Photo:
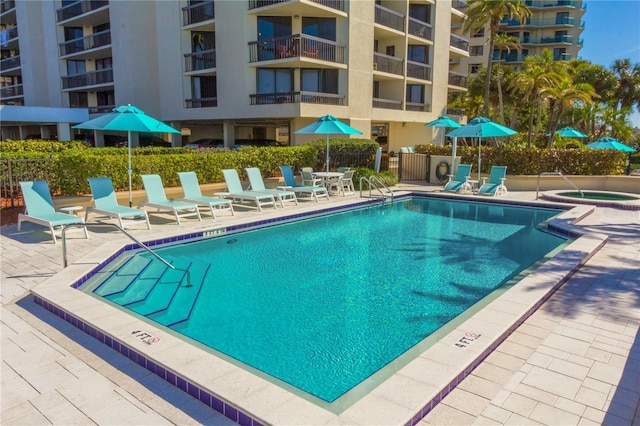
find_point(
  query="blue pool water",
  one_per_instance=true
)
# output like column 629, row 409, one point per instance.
column 324, row 303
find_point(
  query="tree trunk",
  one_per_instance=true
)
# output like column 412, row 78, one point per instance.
column 500, row 103
column 487, row 82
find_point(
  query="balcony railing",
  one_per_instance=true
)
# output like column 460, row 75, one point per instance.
column 386, row 103
column 389, row 18
column 418, row 70
column 549, row 3
column 418, row 106
column 386, row 63
column 511, row 57
column 540, row 22
column 11, row 91
column 92, row 41
column 295, row 46
column 565, row 39
column 420, row 29
column 12, row 32
column 460, row 5
column 7, row 5
column 457, row 80
column 92, row 78
column 203, row 60
column 297, row 97
column 198, row 12
column 334, row 4
column 101, row 109
column 79, row 8
column 201, row 102
column 456, row 111
column 10, row 63
column 459, row 42
column 562, row 56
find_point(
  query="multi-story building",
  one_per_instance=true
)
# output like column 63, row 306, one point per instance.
column 237, row 69
column 554, row 25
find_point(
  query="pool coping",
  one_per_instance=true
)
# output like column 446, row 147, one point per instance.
column 633, row 205
column 404, row 398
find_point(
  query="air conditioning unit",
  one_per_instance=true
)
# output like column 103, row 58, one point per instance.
column 375, row 66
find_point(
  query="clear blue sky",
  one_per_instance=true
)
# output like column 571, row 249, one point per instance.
column 612, row 31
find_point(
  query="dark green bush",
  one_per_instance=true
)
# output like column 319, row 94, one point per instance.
column 389, row 178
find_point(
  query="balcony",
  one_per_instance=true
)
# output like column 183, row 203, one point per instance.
column 418, row 70
column 389, row 18
column 7, row 5
column 101, row 109
column 198, row 12
column 201, row 102
column 418, row 106
column 199, row 61
column 7, row 92
column 540, row 4
column 92, row 41
column 540, row 22
column 93, row 78
column 459, row 42
column 297, row 97
column 564, row 39
column 420, row 29
column 296, row 46
column 457, row 80
column 10, row 63
column 511, row 57
column 340, row 5
column 460, row 6
column 388, row 64
column 79, row 8
column 386, row 103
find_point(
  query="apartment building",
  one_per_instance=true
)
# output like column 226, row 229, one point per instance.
column 555, row 25
column 247, row 69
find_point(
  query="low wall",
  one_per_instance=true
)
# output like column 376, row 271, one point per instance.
column 629, row 184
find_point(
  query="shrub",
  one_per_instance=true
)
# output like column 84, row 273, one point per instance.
column 389, row 178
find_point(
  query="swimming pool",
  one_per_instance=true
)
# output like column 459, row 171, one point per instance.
column 618, row 200
column 324, row 303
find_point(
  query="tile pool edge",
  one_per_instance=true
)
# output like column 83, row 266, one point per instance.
column 225, row 389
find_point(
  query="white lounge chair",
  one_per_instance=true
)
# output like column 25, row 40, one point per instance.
column 236, row 193
column 257, row 184
column 193, row 194
column 106, row 203
column 314, row 192
column 157, row 198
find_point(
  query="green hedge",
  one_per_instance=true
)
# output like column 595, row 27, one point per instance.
column 532, row 161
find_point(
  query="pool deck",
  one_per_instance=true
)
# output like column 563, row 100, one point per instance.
column 575, row 360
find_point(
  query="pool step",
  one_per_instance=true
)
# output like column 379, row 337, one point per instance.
column 141, row 286
column 122, row 278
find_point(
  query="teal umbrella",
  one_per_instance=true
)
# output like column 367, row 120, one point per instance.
column 570, row 132
column 328, row 125
column 610, row 143
column 444, row 121
column 127, row 118
column 481, row 127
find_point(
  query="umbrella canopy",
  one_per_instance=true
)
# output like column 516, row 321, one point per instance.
column 610, row 143
column 481, row 127
column 444, row 121
column 127, row 118
column 328, row 125
column 570, row 132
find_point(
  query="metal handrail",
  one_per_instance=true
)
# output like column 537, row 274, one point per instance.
column 113, row 225
column 373, row 182
column 557, row 174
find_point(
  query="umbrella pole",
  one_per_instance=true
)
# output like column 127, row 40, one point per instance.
column 129, row 171
column 479, row 157
column 327, row 153
column 454, row 146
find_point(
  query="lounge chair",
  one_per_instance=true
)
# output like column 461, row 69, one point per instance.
column 237, row 194
column 40, row 210
column 106, row 203
column 157, row 199
column 302, row 190
column 257, row 184
column 459, row 182
column 193, row 194
column 495, row 185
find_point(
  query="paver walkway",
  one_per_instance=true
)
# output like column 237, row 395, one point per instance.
column 575, row 361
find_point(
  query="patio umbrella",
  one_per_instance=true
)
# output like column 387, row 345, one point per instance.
column 127, row 118
column 610, row 143
column 570, row 132
column 444, row 121
column 481, row 127
column 328, row 125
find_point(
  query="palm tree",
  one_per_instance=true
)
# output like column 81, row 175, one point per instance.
column 483, row 13
column 503, row 42
column 564, row 96
column 628, row 92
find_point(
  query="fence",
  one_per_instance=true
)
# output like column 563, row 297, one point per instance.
column 13, row 171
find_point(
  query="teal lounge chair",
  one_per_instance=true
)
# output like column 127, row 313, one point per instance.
column 106, row 203
column 193, row 194
column 459, row 182
column 302, row 190
column 495, row 185
column 157, row 198
column 257, row 184
column 40, row 210
column 236, row 193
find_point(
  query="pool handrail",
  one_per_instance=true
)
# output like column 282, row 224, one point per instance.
column 375, row 182
column 113, row 225
column 557, row 174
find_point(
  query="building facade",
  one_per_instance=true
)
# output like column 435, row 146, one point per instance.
column 246, row 69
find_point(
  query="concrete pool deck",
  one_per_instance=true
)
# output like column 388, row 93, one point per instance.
column 576, row 360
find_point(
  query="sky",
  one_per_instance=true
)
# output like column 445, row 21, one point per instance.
column 612, row 31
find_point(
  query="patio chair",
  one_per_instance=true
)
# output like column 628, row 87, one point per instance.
column 302, row 190
column 459, row 182
column 193, row 194
column 344, row 184
column 39, row 208
column 257, row 184
column 236, row 193
column 106, row 203
column 308, row 179
column 495, row 185
column 157, row 198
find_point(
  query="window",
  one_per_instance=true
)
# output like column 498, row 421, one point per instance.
column 78, row 100
column 104, row 64
column 479, row 33
column 204, row 87
column 72, row 33
column 76, row 67
column 106, row 98
column 391, row 50
column 559, row 53
column 376, row 89
column 421, row 12
column 319, row 27
column 418, row 53
column 202, row 40
column 273, row 26
column 319, row 80
column 415, row 93
column 275, row 80
column 562, row 18
column 474, row 68
column 101, row 27
column 476, row 50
